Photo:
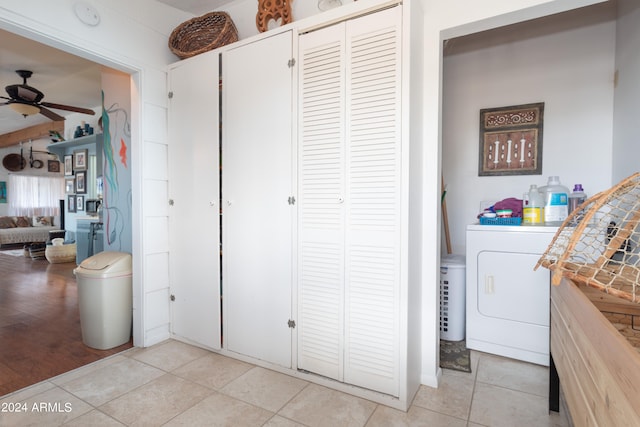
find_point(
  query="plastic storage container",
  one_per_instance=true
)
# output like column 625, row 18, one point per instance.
column 452, row 297
column 105, row 299
column 533, row 209
column 556, row 201
column 577, row 197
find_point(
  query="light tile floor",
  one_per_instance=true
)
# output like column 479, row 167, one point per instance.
column 175, row 384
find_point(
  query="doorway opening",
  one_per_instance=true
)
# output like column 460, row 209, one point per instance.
column 38, row 304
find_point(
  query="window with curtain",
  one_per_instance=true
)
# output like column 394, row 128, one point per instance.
column 35, row 195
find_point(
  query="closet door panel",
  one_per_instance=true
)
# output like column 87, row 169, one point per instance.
column 257, row 181
column 321, row 195
column 373, row 187
column 350, row 195
column 194, row 230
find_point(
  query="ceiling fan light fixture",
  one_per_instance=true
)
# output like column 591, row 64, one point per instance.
column 24, row 109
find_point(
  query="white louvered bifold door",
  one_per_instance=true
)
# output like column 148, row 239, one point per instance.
column 349, row 193
column 321, row 189
column 372, row 238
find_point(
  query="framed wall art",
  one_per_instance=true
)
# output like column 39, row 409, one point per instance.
column 70, row 185
column 81, row 182
column 71, row 203
column 511, row 140
column 79, row 203
column 99, row 187
column 80, row 159
column 53, row 166
column 68, row 164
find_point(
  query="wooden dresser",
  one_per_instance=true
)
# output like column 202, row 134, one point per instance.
column 598, row 367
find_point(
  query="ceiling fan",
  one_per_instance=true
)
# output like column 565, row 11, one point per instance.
column 25, row 99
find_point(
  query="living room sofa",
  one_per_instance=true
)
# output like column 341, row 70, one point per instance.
column 25, row 229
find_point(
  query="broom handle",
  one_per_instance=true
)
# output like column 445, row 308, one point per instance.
column 445, row 219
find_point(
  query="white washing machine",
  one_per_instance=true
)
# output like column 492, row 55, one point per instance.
column 507, row 301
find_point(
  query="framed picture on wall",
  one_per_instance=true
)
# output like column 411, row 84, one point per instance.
column 80, row 159
column 68, row 164
column 99, row 187
column 79, row 203
column 53, row 166
column 511, row 140
column 81, row 182
column 71, row 203
column 69, row 185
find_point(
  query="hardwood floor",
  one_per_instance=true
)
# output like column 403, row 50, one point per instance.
column 40, row 334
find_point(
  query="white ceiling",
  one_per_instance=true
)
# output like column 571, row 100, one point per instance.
column 197, row 7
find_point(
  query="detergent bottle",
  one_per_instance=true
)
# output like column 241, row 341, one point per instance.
column 577, row 197
column 556, row 202
column 533, row 209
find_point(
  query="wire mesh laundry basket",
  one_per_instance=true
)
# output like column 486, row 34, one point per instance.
column 203, row 33
column 598, row 244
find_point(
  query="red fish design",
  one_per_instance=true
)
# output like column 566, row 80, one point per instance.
column 123, row 152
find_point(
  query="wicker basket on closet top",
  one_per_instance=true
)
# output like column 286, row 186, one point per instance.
column 203, row 33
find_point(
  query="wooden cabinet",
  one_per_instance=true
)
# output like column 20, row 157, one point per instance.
column 194, row 208
column 598, row 366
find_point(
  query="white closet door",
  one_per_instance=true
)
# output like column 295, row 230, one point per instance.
column 257, row 182
column 321, row 195
column 194, row 218
column 350, row 194
column 373, row 189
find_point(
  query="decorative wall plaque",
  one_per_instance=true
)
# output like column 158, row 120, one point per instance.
column 278, row 11
column 511, row 140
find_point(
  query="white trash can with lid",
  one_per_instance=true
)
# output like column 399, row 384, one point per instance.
column 105, row 299
column 452, row 297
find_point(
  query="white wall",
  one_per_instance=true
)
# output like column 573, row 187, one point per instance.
column 243, row 14
column 626, row 133
column 75, row 119
column 565, row 61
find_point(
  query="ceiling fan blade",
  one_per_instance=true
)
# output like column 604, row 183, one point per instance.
column 68, row 108
column 51, row 115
